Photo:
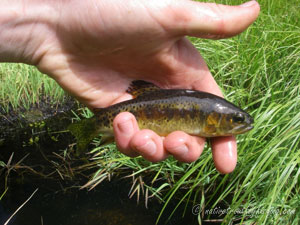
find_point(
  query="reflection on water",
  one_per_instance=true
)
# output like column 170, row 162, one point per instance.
column 103, row 206
column 55, row 203
column 108, row 204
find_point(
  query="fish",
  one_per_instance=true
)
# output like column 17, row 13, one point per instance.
column 164, row 111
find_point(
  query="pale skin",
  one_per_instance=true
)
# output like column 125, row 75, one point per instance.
column 95, row 48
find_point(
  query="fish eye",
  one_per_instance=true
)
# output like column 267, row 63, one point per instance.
column 238, row 118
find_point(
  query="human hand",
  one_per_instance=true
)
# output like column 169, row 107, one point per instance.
column 94, row 49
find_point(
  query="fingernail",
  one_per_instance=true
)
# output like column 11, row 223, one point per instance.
column 149, row 148
column 126, row 127
column 180, row 150
column 248, row 4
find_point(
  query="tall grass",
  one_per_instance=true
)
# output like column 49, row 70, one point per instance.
column 260, row 71
column 23, row 85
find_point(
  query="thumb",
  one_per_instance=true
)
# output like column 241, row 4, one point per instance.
column 209, row 20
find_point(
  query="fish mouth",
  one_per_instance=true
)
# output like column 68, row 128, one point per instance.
column 242, row 129
column 249, row 127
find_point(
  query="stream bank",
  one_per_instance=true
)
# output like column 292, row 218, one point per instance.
column 35, row 151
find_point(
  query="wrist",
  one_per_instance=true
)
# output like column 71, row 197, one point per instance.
column 24, row 27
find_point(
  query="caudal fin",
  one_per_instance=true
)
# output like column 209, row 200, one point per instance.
column 84, row 131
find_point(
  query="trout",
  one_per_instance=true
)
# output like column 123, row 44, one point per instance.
column 167, row 110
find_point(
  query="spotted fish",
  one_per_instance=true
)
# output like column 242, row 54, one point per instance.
column 167, row 110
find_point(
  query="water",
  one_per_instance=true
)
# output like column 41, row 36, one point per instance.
column 60, row 201
column 107, row 204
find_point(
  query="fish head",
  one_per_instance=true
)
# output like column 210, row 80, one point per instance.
column 228, row 120
column 238, row 122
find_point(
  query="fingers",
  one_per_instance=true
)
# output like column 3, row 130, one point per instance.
column 133, row 142
column 224, row 150
column 125, row 126
column 208, row 20
column 149, row 145
column 184, row 147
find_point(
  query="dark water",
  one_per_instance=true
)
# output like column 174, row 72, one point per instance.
column 108, row 204
column 60, row 201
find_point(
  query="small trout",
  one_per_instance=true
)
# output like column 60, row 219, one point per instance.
column 167, row 110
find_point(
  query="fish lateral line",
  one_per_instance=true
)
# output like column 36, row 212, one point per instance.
column 164, row 111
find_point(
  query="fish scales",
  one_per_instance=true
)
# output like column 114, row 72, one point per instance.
column 164, row 111
column 167, row 110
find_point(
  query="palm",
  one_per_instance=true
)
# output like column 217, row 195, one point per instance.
column 98, row 47
column 101, row 58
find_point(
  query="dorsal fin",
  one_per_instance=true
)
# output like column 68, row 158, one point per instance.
column 140, row 87
column 97, row 110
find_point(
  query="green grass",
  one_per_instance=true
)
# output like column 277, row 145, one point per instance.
column 23, row 85
column 260, row 71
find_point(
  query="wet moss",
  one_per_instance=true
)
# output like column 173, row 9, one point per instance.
column 23, row 127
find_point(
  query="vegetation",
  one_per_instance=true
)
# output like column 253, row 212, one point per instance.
column 24, row 86
column 258, row 70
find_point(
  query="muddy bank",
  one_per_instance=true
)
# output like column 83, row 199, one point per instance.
column 31, row 141
column 21, row 127
column 36, row 150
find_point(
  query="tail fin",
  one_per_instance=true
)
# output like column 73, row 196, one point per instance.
column 84, row 131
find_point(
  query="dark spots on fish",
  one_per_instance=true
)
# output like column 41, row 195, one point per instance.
column 170, row 113
column 148, row 111
column 106, row 123
column 193, row 113
column 115, row 113
column 104, row 120
column 163, row 107
column 148, row 114
column 182, row 113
